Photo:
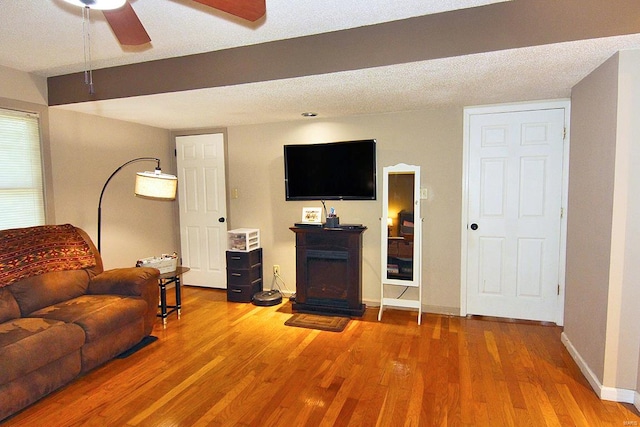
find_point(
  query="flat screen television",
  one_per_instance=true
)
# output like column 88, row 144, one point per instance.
column 331, row 171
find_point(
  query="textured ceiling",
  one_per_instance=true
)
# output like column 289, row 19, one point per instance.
column 45, row 36
column 182, row 27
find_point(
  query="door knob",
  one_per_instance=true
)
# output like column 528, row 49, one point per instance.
column 221, row 219
column 474, row 226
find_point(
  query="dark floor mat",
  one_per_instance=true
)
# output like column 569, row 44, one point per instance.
column 315, row 321
column 142, row 344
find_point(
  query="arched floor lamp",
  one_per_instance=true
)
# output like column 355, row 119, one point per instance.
column 153, row 185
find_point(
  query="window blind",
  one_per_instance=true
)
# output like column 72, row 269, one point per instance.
column 21, row 187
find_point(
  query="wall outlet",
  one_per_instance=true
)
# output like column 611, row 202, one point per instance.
column 276, row 269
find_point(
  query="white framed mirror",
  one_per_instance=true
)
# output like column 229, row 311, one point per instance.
column 401, row 238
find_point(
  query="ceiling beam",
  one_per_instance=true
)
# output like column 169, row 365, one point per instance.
column 498, row 26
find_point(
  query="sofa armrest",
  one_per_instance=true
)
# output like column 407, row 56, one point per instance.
column 132, row 281
column 129, row 281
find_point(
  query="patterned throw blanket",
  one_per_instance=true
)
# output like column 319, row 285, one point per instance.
column 27, row 252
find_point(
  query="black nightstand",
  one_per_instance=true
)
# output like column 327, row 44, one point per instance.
column 244, row 275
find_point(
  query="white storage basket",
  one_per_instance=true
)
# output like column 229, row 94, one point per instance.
column 243, row 239
column 165, row 264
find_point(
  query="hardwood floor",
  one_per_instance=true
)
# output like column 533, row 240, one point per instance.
column 238, row 365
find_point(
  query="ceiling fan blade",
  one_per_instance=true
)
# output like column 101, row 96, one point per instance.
column 126, row 26
column 251, row 10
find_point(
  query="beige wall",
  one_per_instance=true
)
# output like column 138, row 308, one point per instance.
column 431, row 139
column 24, row 92
column 21, row 86
column 623, row 331
column 85, row 150
column 603, row 243
column 591, row 176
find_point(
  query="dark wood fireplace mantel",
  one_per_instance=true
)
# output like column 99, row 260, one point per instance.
column 329, row 270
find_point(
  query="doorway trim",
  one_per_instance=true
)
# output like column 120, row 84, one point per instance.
column 509, row 108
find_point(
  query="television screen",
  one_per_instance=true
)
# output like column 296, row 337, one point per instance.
column 332, row 171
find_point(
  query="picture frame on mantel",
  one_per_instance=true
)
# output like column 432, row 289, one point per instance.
column 312, row 215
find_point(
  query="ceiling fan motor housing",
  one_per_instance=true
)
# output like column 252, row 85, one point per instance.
column 98, row 4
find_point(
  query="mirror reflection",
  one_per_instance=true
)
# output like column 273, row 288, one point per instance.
column 400, row 224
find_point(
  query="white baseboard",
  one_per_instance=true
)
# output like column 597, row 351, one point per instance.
column 437, row 309
column 636, row 401
column 617, row 394
column 605, row 393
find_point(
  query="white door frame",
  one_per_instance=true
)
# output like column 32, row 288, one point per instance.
column 507, row 108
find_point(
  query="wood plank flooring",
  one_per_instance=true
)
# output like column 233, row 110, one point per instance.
column 234, row 364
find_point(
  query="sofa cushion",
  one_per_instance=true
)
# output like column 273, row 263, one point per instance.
column 27, row 344
column 42, row 291
column 97, row 352
column 98, row 315
column 23, row 391
column 8, row 306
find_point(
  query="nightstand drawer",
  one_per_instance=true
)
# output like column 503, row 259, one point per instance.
column 243, row 260
column 237, row 293
column 244, row 277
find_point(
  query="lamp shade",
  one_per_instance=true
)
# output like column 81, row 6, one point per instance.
column 98, row 4
column 156, row 185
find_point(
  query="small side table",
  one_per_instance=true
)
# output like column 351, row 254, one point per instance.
column 167, row 279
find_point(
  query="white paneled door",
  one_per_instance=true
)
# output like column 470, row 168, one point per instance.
column 203, row 211
column 514, row 211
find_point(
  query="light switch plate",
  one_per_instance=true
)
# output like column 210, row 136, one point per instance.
column 424, row 193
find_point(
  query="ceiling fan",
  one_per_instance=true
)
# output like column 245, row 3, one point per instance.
column 130, row 32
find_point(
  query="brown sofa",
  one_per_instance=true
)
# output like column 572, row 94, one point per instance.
column 61, row 315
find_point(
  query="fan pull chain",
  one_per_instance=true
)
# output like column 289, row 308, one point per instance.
column 86, row 38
